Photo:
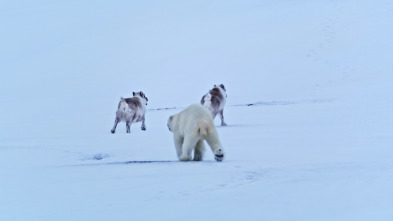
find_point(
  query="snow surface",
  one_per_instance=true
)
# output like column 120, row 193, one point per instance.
column 309, row 109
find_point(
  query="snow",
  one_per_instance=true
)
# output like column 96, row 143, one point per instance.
column 314, row 145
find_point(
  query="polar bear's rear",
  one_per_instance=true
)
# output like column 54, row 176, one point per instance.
column 190, row 128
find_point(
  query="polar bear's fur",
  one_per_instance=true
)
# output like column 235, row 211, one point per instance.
column 190, row 128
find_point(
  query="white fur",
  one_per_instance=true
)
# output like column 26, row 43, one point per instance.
column 190, row 128
column 124, row 111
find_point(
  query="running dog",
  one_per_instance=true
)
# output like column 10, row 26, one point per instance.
column 215, row 101
column 131, row 110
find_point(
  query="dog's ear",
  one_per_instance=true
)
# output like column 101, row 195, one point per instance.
column 144, row 95
column 133, row 93
column 223, row 87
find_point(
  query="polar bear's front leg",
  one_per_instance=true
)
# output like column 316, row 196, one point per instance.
column 187, row 148
column 178, row 144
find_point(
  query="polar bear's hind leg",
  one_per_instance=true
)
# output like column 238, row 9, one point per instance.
column 199, row 149
column 187, row 148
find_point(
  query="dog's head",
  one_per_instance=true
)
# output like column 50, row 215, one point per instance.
column 141, row 95
column 221, row 86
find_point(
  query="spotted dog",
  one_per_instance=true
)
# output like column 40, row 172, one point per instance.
column 131, row 110
column 215, row 101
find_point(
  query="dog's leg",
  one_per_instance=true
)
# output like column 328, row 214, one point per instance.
column 222, row 118
column 143, row 127
column 114, row 126
column 128, row 126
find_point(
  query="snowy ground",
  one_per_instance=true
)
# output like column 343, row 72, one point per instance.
column 314, row 145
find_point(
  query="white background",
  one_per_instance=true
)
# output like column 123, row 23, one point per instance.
column 316, row 144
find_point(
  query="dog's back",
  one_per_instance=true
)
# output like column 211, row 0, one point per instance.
column 124, row 111
column 131, row 110
column 134, row 103
column 138, row 108
column 215, row 101
column 217, row 98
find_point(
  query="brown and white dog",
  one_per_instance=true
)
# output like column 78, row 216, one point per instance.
column 131, row 110
column 215, row 101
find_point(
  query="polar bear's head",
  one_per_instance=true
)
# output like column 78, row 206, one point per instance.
column 170, row 123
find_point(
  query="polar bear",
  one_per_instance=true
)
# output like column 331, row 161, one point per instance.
column 190, row 128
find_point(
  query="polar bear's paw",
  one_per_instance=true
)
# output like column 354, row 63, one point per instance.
column 184, row 157
column 197, row 156
column 219, row 155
